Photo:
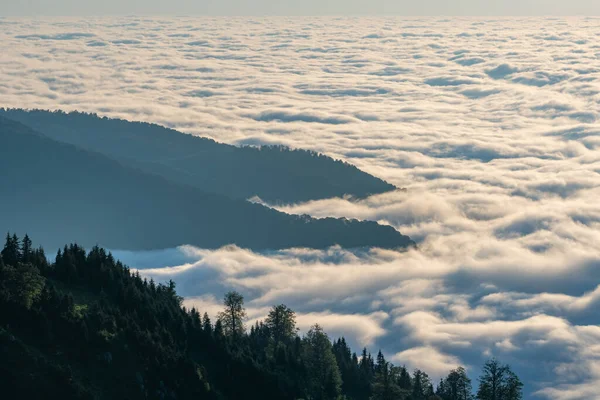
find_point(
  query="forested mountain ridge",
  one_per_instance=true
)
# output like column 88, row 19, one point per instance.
column 87, row 327
column 276, row 174
column 61, row 193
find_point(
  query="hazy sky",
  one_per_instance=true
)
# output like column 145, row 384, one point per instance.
column 303, row 7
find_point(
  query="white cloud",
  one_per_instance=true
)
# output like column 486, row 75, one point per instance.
column 491, row 124
column 427, row 359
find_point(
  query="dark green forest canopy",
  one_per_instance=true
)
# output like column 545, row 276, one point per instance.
column 276, row 174
column 87, row 327
column 60, row 193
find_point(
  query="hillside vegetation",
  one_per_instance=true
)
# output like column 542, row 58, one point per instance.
column 87, row 327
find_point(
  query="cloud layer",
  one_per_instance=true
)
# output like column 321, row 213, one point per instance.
column 493, row 126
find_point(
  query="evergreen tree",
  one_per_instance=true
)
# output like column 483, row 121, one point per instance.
column 101, row 314
column 381, row 363
column 26, row 249
column 422, row 388
column 498, row 382
column 513, row 388
column 324, row 380
column 206, row 326
column 281, row 322
column 404, row 379
column 354, row 386
column 385, row 385
column 11, row 254
column 232, row 318
column 456, row 386
column 219, row 331
column 366, row 364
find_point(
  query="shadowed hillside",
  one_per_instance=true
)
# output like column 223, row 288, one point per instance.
column 275, row 174
column 87, row 327
column 61, row 193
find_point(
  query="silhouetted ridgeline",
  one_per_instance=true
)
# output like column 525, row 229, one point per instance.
column 275, row 174
column 87, row 327
column 61, row 193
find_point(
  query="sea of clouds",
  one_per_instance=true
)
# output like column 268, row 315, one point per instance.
column 492, row 126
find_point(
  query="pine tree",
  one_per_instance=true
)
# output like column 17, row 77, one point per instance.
column 366, row 364
column 324, row 380
column 219, row 331
column 26, row 249
column 421, row 385
column 281, row 322
column 11, row 254
column 456, row 386
column 381, row 363
column 206, row 326
column 195, row 319
column 385, row 385
column 513, row 388
column 144, row 324
column 404, row 379
column 498, row 382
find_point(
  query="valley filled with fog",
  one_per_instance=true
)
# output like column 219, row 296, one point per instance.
column 491, row 125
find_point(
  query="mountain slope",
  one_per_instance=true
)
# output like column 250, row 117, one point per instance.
column 90, row 198
column 87, row 327
column 275, row 174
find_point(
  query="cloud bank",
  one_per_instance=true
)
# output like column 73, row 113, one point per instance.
column 492, row 125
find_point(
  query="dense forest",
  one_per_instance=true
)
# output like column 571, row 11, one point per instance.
column 274, row 173
column 87, row 327
column 60, row 193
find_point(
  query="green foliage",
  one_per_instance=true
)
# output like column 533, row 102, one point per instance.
column 456, row 386
column 21, row 284
column 324, row 380
column 11, row 252
column 422, row 388
column 281, row 322
column 386, row 384
column 499, row 382
column 87, row 327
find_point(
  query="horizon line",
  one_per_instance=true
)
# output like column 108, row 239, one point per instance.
column 379, row 15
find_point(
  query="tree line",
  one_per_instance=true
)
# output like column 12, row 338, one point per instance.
column 85, row 326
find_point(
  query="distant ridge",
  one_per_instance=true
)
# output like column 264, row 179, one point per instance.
column 276, row 174
column 89, row 198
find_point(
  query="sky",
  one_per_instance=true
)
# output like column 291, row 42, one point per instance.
column 294, row 7
column 492, row 125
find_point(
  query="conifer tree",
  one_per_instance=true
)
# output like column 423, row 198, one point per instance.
column 324, row 380
column 404, row 379
column 385, row 386
column 218, row 332
column 498, row 382
column 421, row 385
column 206, row 326
column 10, row 253
column 281, row 322
column 26, row 249
column 456, row 386
column 513, row 389
column 381, row 363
